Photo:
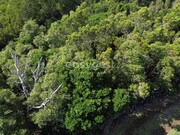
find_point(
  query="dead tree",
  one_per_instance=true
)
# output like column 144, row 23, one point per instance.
column 36, row 74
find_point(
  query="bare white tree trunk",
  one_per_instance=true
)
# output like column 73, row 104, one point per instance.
column 20, row 74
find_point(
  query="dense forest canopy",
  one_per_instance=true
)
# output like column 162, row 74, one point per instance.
column 67, row 66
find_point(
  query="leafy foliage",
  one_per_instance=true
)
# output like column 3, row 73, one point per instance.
column 107, row 55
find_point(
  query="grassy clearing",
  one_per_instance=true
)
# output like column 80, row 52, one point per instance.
column 158, row 118
column 175, row 131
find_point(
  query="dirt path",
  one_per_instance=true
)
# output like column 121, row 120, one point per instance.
column 174, row 113
column 155, row 118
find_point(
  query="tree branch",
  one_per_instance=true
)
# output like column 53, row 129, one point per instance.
column 38, row 71
column 43, row 104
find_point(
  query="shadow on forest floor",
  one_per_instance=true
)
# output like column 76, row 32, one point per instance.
column 156, row 118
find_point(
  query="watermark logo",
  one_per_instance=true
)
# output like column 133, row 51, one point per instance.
column 90, row 65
